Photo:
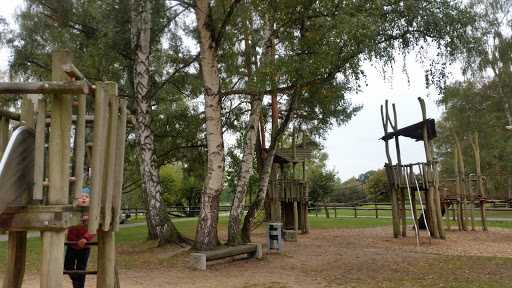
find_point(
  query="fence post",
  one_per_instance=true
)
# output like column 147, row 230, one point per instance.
column 355, row 211
column 376, row 211
column 335, row 215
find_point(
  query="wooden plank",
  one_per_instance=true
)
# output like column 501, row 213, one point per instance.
column 119, row 167
column 23, row 218
column 37, row 193
column 110, row 156
column 45, row 87
column 59, row 148
column 98, row 149
column 16, row 257
column 80, row 147
column 106, row 259
column 52, row 259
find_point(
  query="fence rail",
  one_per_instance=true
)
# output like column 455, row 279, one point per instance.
column 191, row 211
column 386, row 206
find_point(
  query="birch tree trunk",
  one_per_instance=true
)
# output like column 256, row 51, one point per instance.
column 262, row 190
column 206, row 233
column 237, row 209
column 159, row 224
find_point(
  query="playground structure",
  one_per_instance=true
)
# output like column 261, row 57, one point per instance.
column 402, row 177
column 423, row 177
column 26, row 206
column 290, row 196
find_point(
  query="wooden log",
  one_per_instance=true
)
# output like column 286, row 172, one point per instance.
column 119, row 170
column 72, row 71
column 80, row 146
column 4, row 138
column 295, row 216
column 37, row 193
column 403, row 211
column 483, row 215
column 439, row 213
column 106, row 259
column 198, row 260
column 52, row 258
column 110, row 156
column 9, row 115
column 59, row 148
column 98, row 154
column 46, row 87
column 16, row 258
column 447, row 216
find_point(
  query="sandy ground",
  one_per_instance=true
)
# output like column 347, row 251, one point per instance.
column 324, row 258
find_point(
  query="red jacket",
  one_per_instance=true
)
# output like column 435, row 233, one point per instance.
column 76, row 234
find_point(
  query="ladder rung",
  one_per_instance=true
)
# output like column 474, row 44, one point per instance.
column 80, row 272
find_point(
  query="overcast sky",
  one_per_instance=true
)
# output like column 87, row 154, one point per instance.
column 355, row 148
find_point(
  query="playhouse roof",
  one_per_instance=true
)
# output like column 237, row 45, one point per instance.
column 415, row 131
column 285, row 155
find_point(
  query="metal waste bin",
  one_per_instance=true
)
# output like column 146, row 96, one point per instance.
column 274, row 237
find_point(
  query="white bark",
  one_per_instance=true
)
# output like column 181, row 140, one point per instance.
column 157, row 219
column 237, row 209
column 206, row 234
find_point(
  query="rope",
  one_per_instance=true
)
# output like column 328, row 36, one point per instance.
column 423, row 210
column 412, row 213
column 371, row 197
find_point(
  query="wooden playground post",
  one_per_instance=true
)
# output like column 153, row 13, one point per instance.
column 79, row 146
column 37, row 192
column 457, row 188
column 59, row 153
column 118, row 177
column 294, row 179
column 99, row 142
column 305, row 222
column 392, row 190
column 434, row 210
column 4, row 136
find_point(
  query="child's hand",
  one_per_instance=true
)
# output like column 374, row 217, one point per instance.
column 81, row 242
column 85, row 218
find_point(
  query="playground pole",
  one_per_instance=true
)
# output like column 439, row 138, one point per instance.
column 52, row 258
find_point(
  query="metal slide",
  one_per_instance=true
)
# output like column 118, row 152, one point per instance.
column 17, row 167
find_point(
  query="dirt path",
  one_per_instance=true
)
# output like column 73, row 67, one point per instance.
column 368, row 257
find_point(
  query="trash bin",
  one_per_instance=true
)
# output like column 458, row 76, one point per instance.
column 274, row 237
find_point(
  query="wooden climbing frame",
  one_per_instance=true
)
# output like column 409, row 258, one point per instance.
column 54, row 212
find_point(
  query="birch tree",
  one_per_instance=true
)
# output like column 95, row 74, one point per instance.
column 160, row 225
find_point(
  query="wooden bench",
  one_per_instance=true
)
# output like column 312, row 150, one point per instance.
column 198, row 260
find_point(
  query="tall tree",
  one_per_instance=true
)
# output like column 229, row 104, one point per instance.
column 160, row 225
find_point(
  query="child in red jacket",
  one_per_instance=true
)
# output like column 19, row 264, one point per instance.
column 77, row 256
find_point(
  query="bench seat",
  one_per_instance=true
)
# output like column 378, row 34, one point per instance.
column 198, row 260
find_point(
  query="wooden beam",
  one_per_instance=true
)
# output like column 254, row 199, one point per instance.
column 16, row 260
column 4, row 113
column 53, row 217
column 45, row 87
